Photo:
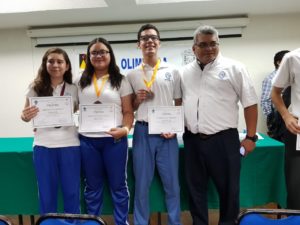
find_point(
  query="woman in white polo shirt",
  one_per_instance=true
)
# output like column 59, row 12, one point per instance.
column 104, row 154
column 56, row 152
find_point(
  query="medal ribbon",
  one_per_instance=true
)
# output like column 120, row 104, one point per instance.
column 149, row 83
column 97, row 89
column 62, row 92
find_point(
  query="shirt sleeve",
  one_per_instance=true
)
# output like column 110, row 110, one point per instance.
column 125, row 88
column 243, row 86
column 177, row 84
column 283, row 77
column 30, row 92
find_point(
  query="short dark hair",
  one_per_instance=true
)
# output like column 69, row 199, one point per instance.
column 147, row 26
column 278, row 57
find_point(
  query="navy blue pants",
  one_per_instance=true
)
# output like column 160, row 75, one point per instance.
column 105, row 158
column 218, row 158
column 54, row 166
column 292, row 168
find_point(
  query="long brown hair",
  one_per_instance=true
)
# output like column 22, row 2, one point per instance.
column 42, row 83
column 115, row 77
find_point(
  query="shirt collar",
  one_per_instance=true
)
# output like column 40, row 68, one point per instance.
column 162, row 64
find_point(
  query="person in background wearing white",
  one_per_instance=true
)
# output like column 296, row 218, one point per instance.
column 288, row 74
column 56, row 152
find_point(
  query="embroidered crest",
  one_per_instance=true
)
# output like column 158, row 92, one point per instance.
column 222, row 75
column 168, row 76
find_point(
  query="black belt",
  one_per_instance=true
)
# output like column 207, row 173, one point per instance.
column 205, row 136
column 142, row 123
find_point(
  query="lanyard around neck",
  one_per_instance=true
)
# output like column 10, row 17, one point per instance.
column 150, row 83
column 103, row 79
column 62, row 92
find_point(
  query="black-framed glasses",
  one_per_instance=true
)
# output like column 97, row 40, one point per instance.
column 100, row 53
column 148, row 37
column 204, row 45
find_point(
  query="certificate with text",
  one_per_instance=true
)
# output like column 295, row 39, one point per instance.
column 97, row 117
column 56, row 111
column 165, row 119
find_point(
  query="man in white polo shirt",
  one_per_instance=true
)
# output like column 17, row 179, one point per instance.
column 155, row 83
column 212, row 86
column 288, row 74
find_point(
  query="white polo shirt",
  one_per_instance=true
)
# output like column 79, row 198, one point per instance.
column 166, row 87
column 57, row 137
column 210, row 97
column 289, row 74
column 109, row 95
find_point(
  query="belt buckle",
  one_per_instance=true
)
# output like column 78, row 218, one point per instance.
column 204, row 136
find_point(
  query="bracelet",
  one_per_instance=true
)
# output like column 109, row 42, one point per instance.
column 127, row 130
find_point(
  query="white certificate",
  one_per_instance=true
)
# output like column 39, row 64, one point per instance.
column 164, row 119
column 97, row 117
column 54, row 111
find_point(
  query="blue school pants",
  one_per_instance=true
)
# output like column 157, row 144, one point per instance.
column 105, row 158
column 54, row 167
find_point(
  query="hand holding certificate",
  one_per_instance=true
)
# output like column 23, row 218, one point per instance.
column 54, row 111
column 96, row 117
column 165, row 119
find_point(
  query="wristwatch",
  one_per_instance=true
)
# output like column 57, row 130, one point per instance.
column 253, row 138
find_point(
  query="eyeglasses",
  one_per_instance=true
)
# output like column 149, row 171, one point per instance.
column 148, row 37
column 204, row 45
column 100, row 53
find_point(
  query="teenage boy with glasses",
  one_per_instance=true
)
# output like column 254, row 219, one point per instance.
column 155, row 83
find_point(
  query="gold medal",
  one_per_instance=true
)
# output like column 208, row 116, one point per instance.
column 150, row 94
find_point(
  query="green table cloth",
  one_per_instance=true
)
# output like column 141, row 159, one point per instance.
column 262, row 179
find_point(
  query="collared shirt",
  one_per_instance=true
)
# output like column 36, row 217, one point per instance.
column 166, row 87
column 266, row 101
column 52, row 137
column 289, row 74
column 210, row 97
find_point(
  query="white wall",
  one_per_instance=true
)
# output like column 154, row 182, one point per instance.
column 262, row 38
column 15, row 74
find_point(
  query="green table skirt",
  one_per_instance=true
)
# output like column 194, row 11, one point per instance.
column 262, row 179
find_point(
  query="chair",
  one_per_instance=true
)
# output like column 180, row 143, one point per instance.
column 5, row 221
column 255, row 217
column 69, row 219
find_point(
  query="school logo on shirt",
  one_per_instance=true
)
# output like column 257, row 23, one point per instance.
column 168, row 76
column 222, row 75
